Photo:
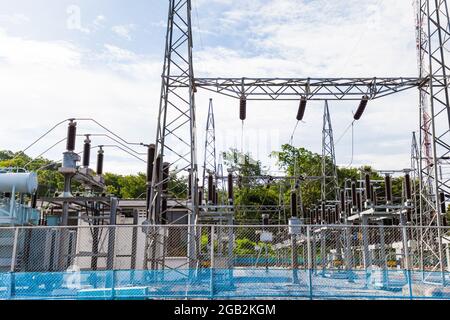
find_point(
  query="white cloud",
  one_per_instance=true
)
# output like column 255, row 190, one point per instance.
column 17, row 18
column 99, row 20
column 124, row 31
column 42, row 83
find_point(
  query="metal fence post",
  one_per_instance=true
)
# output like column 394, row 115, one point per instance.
column 212, row 262
column 113, row 284
column 12, row 287
column 407, row 262
column 14, row 250
column 310, row 262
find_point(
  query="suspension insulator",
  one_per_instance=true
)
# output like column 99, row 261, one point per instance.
column 158, row 168
column 388, row 188
column 230, row 187
column 214, row 194
column 322, row 218
column 293, row 204
column 301, row 109
column 200, row 196
column 358, row 199
column 354, row 199
column 243, row 108
column 150, row 162
column 374, row 195
column 330, row 215
column 408, row 187
column 71, row 136
column 100, row 158
column 210, row 189
column 34, row 200
column 361, row 108
column 367, row 187
column 442, row 201
column 189, row 185
column 87, row 152
column 165, row 177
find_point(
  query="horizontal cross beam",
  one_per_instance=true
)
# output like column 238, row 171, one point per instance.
column 311, row 88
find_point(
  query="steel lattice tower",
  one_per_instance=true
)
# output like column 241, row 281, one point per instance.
column 433, row 29
column 329, row 187
column 176, row 130
column 209, row 160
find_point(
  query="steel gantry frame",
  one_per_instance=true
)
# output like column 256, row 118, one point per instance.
column 311, row 88
column 176, row 133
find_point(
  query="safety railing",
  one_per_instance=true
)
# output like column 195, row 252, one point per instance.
column 215, row 261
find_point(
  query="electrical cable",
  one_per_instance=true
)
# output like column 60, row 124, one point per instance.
column 47, row 150
column 353, row 145
column 242, row 138
column 292, row 145
column 115, row 140
column 40, row 138
column 119, row 147
column 345, row 132
column 111, row 132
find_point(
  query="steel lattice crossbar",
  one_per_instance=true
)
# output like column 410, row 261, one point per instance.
column 312, row 88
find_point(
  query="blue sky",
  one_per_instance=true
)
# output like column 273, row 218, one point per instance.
column 108, row 67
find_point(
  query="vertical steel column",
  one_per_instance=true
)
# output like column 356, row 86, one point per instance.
column 112, row 234
column 310, row 259
column 294, row 258
column 212, row 261
column 366, row 253
column 323, row 249
column 134, row 239
column 14, row 250
column 383, row 254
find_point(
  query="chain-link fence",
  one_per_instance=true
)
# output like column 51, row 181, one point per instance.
column 178, row 261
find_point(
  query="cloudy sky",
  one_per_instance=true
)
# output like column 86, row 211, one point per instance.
column 102, row 59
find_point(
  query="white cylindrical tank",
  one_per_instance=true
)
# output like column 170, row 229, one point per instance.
column 24, row 182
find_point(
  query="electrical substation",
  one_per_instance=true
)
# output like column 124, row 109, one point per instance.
column 367, row 237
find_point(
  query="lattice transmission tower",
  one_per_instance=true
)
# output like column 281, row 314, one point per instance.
column 176, row 146
column 329, row 186
column 433, row 30
column 210, row 157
